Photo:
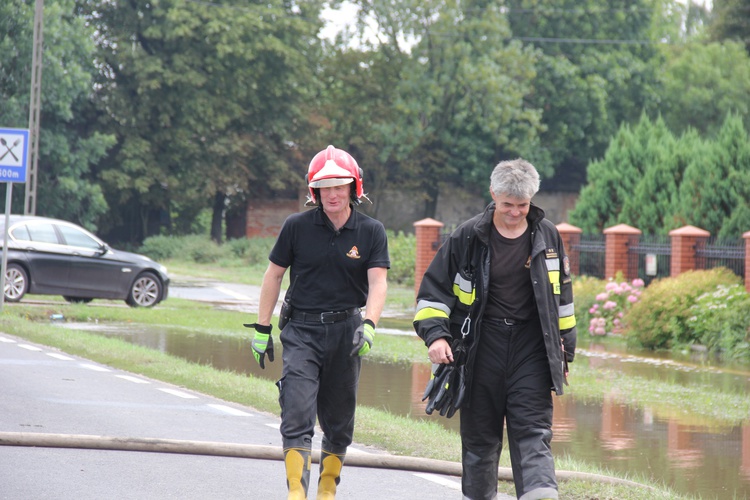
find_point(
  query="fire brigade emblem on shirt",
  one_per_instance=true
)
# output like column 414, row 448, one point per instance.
column 353, row 253
column 566, row 266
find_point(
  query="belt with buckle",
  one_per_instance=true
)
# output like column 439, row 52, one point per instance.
column 505, row 321
column 324, row 317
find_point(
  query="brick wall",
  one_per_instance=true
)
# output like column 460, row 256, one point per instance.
column 398, row 209
column 265, row 217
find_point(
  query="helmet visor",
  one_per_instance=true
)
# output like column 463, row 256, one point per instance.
column 330, row 182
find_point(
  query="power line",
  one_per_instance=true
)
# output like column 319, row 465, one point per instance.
column 583, row 41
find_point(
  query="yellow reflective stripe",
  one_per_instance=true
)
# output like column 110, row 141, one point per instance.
column 553, row 273
column 464, row 297
column 429, row 312
column 567, row 322
column 554, row 279
column 463, row 290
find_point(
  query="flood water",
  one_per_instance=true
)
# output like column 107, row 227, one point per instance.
column 685, row 453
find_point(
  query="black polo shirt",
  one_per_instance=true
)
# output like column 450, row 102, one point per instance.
column 328, row 269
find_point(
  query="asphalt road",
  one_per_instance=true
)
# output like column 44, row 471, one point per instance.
column 243, row 297
column 47, row 391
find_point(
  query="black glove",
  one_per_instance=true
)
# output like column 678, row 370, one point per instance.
column 447, row 386
column 262, row 343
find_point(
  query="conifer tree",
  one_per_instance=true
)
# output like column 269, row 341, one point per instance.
column 707, row 194
column 656, row 190
column 611, row 181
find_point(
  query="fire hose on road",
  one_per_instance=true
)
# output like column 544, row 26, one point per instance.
column 259, row 452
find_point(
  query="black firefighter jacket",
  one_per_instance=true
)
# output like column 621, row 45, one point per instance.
column 453, row 291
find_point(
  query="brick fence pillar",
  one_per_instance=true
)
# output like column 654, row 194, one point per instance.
column 571, row 238
column 746, row 236
column 428, row 241
column 617, row 240
column 685, row 241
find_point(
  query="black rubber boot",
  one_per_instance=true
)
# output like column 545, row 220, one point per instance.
column 330, row 472
column 298, row 460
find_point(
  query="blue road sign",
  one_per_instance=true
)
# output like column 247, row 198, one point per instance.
column 14, row 154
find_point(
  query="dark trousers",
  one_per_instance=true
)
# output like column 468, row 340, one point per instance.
column 319, row 378
column 511, row 383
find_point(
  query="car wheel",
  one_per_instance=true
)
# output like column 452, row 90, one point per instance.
column 145, row 292
column 77, row 300
column 16, row 283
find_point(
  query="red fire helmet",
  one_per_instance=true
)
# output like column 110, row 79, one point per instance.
column 334, row 167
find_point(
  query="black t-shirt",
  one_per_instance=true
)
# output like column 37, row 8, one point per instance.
column 328, row 268
column 511, row 294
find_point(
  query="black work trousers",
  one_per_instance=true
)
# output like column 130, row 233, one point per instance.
column 511, row 383
column 319, row 378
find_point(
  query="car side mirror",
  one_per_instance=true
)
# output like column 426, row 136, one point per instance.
column 103, row 249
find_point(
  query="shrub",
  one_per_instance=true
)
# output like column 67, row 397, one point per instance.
column 659, row 319
column 161, row 248
column 195, row 247
column 402, row 250
column 585, row 290
column 611, row 304
column 201, row 249
column 259, row 249
column 252, row 250
column 721, row 321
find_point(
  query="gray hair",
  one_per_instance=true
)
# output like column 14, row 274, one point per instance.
column 517, row 178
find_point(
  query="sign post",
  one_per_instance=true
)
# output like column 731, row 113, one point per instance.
column 14, row 155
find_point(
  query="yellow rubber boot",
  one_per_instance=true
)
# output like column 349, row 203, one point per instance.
column 330, row 474
column 297, row 462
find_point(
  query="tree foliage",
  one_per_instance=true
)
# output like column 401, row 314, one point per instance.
column 159, row 115
column 204, row 99
column 702, row 83
column 68, row 145
column 597, row 71
column 652, row 181
column 611, row 181
column 456, row 96
column 661, row 173
column 731, row 21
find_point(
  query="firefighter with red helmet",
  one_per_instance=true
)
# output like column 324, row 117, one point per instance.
column 338, row 261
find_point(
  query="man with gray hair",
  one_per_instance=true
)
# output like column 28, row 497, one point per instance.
column 496, row 306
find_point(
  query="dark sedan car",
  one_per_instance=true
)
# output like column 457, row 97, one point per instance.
column 54, row 257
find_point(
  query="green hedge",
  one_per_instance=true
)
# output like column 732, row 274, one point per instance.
column 203, row 250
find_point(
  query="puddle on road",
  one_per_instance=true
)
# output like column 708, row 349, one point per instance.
column 693, row 459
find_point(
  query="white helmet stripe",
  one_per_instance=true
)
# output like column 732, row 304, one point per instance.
column 330, row 170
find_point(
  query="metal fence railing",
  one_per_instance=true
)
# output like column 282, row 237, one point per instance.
column 718, row 252
column 650, row 257
column 590, row 253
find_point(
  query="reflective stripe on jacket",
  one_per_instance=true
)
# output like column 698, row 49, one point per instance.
column 453, row 292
